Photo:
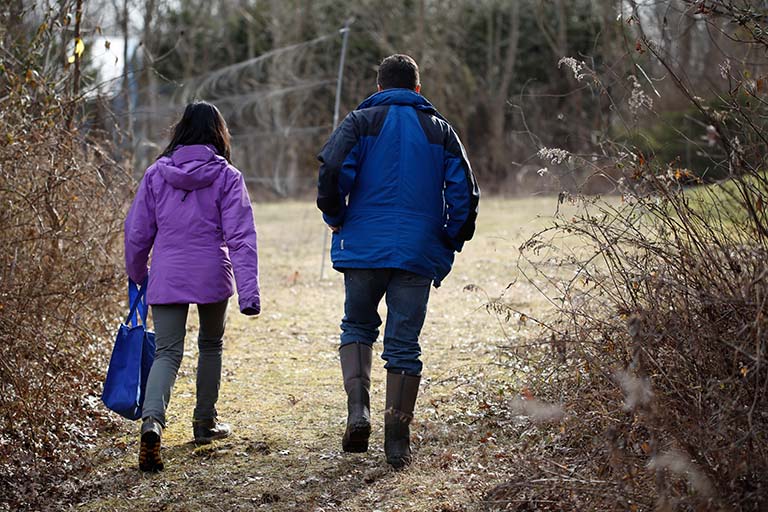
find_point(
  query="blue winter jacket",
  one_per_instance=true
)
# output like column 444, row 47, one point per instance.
column 412, row 197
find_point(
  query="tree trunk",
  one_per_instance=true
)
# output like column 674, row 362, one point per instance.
column 76, row 74
column 499, row 94
column 126, row 86
column 150, row 85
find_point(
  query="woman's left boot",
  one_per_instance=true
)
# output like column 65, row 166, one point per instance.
column 356, row 369
column 207, row 431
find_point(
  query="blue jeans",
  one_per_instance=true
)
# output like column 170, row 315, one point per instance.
column 406, row 295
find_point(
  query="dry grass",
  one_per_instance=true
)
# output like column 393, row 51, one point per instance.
column 282, row 391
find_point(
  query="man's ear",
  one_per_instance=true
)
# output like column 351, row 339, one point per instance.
column 418, row 89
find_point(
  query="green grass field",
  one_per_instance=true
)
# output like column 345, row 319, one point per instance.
column 283, row 395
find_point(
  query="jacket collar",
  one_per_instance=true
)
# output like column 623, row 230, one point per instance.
column 200, row 152
column 405, row 97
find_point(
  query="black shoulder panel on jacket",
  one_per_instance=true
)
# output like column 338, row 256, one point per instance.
column 434, row 128
column 370, row 120
column 332, row 157
column 454, row 146
column 439, row 131
column 360, row 123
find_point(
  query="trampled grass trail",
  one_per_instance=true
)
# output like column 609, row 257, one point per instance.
column 282, row 390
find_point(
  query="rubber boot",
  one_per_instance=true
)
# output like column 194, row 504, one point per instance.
column 149, row 445
column 402, row 390
column 356, row 370
column 207, row 431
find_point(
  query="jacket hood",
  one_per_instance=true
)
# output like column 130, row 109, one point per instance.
column 405, row 97
column 191, row 167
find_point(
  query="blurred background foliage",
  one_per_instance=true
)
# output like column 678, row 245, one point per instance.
column 490, row 66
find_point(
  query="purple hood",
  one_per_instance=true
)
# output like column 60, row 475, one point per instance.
column 191, row 167
column 193, row 212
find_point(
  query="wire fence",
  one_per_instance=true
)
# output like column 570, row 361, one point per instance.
column 278, row 106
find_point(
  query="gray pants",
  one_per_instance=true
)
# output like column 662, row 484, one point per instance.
column 170, row 329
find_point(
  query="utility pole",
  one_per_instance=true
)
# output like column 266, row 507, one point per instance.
column 337, row 105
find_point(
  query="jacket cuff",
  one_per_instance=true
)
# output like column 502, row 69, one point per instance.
column 335, row 220
column 451, row 243
column 250, row 307
column 139, row 277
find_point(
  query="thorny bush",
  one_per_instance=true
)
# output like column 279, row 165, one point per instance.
column 61, row 200
column 658, row 347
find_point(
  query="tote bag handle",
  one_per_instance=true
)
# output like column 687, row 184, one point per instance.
column 136, row 297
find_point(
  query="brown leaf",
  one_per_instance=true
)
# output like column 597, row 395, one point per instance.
column 527, row 394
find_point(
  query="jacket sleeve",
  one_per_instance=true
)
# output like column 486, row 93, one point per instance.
column 338, row 167
column 462, row 194
column 240, row 236
column 140, row 230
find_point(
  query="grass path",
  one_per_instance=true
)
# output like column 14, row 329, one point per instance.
column 283, row 394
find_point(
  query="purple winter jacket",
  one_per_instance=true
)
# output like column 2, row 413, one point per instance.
column 192, row 209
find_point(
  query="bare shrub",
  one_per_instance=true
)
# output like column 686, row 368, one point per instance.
column 662, row 313
column 61, row 205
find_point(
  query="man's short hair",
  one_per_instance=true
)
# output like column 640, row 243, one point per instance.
column 398, row 71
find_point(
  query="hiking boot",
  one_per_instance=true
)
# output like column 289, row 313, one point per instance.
column 356, row 370
column 206, row 431
column 149, row 446
column 402, row 390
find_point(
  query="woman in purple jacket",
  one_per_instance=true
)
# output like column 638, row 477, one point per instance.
column 193, row 211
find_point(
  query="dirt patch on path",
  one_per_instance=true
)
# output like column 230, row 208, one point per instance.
column 283, row 395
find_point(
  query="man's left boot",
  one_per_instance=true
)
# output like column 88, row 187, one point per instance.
column 402, row 390
column 356, row 369
column 207, row 431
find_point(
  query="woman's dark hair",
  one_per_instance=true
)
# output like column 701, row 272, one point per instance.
column 201, row 123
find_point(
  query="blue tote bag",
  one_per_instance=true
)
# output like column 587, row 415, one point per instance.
column 131, row 359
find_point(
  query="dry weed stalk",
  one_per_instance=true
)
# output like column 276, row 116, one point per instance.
column 662, row 314
column 61, row 205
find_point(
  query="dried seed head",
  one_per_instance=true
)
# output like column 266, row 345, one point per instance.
column 637, row 390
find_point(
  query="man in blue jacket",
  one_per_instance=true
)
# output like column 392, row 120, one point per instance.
column 396, row 188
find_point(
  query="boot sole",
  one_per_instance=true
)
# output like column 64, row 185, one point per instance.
column 397, row 450
column 356, row 438
column 209, row 440
column 399, row 463
column 149, row 453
